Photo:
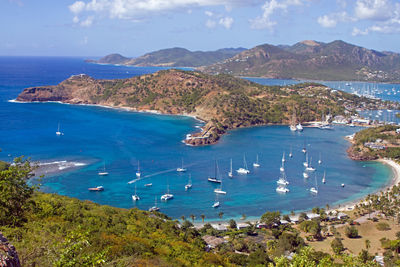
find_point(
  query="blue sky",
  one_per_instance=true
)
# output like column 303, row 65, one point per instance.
column 134, row 27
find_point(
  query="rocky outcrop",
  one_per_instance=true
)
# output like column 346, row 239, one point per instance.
column 357, row 154
column 8, row 254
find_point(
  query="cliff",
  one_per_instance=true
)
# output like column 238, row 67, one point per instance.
column 222, row 101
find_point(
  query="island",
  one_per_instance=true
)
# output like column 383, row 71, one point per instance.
column 222, row 101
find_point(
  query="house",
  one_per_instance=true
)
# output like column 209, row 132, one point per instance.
column 213, row 241
column 220, row 227
column 240, row 226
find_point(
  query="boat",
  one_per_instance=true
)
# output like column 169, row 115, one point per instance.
column 309, row 167
column 320, row 160
column 181, row 169
column 189, row 184
column 305, row 163
column 138, row 173
column 299, row 127
column 305, row 175
column 314, row 190
column 216, row 202
column 342, row 185
column 324, row 178
column 291, row 153
column 219, row 190
column 283, row 157
column 97, row 188
column 214, row 179
column 292, row 125
column 292, row 128
column 243, row 170
column 230, row 173
column 167, row 196
column 282, row 189
column 58, row 130
column 282, row 168
column 282, row 180
column 154, row 208
column 103, row 173
column 256, row 164
column 148, row 185
column 135, row 197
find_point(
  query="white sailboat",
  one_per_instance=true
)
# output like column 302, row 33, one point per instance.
column 299, row 127
column 154, row 208
column 214, row 179
column 282, row 189
column 167, row 196
column 104, row 172
column 219, row 190
column 324, row 178
column 189, row 184
column 282, row 180
column 310, row 168
column 138, row 173
column 181, row 169
column 293, row 128
column 314, row 189
column 283, row 157
column 230, row 173
column 135, row 197
column 291, row 153
column 282, row 168
column 305, row 175
column 216, row 202
column 58, row 130
column 320, row 160
column 256, row 164
column 243, row 170
column 305, row 163
column 304, row 150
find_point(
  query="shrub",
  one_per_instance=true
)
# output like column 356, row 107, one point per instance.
column 383, row 226
column 337, row 245
column 351, row 232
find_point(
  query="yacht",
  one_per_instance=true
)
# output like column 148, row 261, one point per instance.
column 189, row 184
column 219, row 190
column 214, row 179
column 320, row 160
column 154, row 208
column 256, row 164
column 324, row 178
column 167, row 196
column 293, row 128
column 148, row 185
column 282, row 168
column 291, row 153
column 342, row 185
column 135, row 197
column 230, row 173
column 282, row 180
column 181, row 169
column 216, row 204
column 97, row 188
column 103, row 173
column 243, row 170
column 309, row 167
column 283, row 157
column 282, row 189
column 138, row 173
column 299, row 127
column 305, row 163
column 314, row 189
column 305, row 175
column 58, row 130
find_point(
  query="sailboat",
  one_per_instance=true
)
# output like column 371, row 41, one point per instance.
column 320, row 160
column 292, row 125
column 181, row 169
column 189, row 184
column 58, row 130
column 154, row 208
column 324, row 178
column 103, row 173
column 214, row 179
column 230, row 173
column 299, row 127
column 305, row 175
column 256, row 164
column 135, row 197
column 310, row 167
column 216, row 203
column 314, row 189
column 167, row 196
column 291, row 153
column 305, row 163
column 283, row 157
column 243, row 170
column 282, row 179
column 219, row 190
column 138, row 173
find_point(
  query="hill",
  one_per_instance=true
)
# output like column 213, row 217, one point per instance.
column 172, row 57
column 336, row 60
column 222, row 101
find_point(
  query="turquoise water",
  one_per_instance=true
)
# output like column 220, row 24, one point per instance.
column 96, row 135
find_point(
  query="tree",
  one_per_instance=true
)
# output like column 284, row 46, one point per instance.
column 183, row 218
column 192, row 217
column 220, row 214
column 337, row 245
column 202, row 216
column 243, row 217
column 271, row 218
column 351, row 232
column 367, row 244
column 232, row 224
column 15, row 192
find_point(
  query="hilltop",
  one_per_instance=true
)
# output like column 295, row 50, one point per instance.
column 172, row 57
column 309, row 59
column 222, row 101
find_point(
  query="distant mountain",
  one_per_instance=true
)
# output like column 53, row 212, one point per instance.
column 173, row 57
column 336, row 60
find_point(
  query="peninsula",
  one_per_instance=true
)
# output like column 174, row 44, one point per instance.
column 222, row 101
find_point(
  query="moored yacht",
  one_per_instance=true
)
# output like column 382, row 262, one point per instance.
column 214, row 179
column 243, row 170
column 181, row 169
column 97, row 188
column 138, row 173
column 256, row 164
column 282, row 189
column 135, row 197
column 230, row 173
column 189, row 184
column 167, row 196
column 154, row 208
column 104, row 172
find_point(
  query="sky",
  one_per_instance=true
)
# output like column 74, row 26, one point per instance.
column 93, row 28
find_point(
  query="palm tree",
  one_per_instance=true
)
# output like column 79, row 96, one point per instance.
column 367, row 244
column 202, row 217
column 292, row 213
column 183, row 218
column 243, row 217
column 327, row 206
column 193, row 217
column 220, row 215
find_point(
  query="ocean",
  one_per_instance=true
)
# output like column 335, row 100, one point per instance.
column 97, row 136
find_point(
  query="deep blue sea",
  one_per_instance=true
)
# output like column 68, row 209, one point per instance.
column 94, row 136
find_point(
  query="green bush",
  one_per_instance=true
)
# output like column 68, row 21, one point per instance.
column 351, row 232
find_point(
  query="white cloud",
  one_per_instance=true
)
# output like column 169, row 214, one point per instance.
column 75, row 19
column 373, row 9
column 209, row 13
column 327, row 21
column 269, row 8
column 226, row 22
column 87, row 22
column 211, row 23
column 357, row 31
column 85, row 40
column 77, row 7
